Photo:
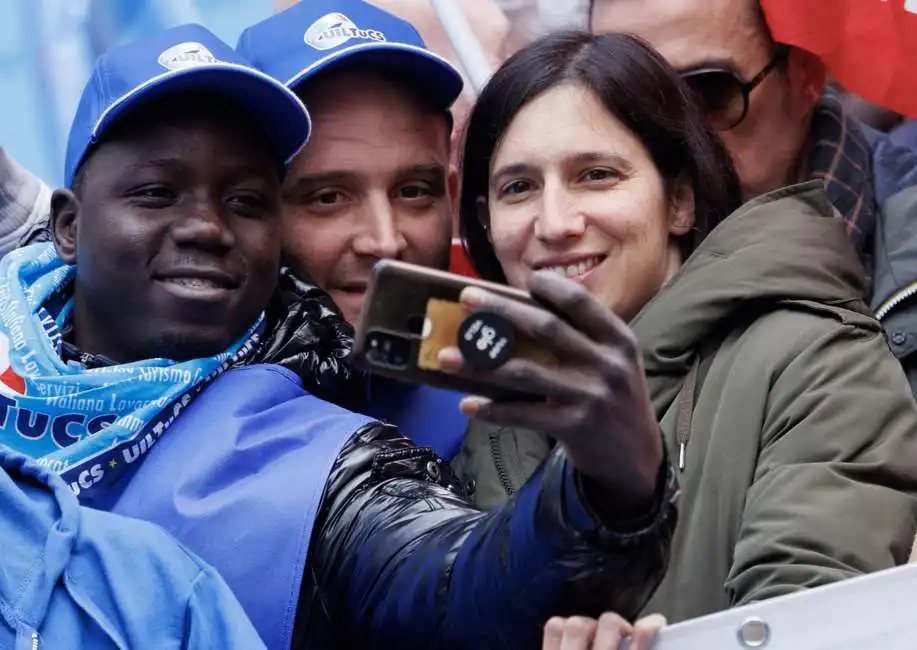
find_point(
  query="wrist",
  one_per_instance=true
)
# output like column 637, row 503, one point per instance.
column 628, row 513
column 613, row 502
column 607, row 529
column 621, row 488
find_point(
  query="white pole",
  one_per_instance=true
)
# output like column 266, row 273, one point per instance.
column 467, row 48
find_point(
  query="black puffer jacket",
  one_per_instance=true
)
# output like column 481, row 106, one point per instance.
column 305, row 333
column 399, row 559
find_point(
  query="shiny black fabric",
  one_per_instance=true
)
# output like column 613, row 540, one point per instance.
column 305, row 333
column 399, row 559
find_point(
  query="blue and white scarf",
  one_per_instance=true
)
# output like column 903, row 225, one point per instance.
column 88, row 425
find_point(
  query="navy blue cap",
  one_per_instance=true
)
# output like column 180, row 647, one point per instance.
column 313, row 35
column 183, row 58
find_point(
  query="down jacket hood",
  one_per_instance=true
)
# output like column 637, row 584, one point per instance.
column 785, row 245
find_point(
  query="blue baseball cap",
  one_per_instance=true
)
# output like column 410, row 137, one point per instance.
column 183, row 58
column 313, row 35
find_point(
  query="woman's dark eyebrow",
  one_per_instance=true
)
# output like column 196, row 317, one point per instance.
column 511, row 169
column 584, row 157
column 587, row 157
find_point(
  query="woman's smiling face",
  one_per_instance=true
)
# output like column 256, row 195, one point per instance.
column 571, row 189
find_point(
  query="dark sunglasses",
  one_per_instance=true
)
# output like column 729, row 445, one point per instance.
column 722, row 95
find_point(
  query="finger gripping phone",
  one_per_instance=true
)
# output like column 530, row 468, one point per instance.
column 411, row 313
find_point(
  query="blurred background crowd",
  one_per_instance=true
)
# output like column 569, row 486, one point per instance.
column 47, row 48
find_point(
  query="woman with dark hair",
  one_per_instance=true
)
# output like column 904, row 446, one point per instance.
column 789, row 419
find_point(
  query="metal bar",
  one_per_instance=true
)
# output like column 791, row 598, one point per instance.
column 467, row 48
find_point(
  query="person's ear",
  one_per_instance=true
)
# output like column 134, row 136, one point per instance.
column 484, row 217
column 681, row 208
column 65, row 219
column 807, row 77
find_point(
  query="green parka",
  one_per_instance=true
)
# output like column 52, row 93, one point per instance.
column 777, row 393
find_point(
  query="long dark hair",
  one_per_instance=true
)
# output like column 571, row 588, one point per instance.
column 638, row 87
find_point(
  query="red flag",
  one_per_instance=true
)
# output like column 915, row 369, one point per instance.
column 869, row 46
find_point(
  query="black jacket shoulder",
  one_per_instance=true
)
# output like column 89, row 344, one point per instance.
column 399, row 558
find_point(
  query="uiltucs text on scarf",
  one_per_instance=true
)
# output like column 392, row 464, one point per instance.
column 90, row 425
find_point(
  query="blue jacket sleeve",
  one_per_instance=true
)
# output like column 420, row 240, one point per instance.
column 400, row 559
column 215, row 620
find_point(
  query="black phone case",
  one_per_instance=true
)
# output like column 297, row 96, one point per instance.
column 395, row 304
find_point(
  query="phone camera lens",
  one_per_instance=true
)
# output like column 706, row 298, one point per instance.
column 388, row 350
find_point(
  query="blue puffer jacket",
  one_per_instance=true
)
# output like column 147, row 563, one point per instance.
column 74, row 578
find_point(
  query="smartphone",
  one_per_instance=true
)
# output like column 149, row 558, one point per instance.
column 412, row 312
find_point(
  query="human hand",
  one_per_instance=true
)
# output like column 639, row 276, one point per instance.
column 606, row 633
column 596, row 404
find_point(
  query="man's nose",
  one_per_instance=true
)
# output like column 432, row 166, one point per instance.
column 204, row 225
column 381, row 236
column 559, row 217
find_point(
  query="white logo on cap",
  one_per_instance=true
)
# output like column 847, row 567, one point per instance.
column 333, row 30
column 186, row 55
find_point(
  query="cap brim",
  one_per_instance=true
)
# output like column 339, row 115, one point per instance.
column 280, row 113
column 433, row 75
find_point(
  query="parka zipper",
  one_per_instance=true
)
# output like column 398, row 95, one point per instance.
column 897, row 298
column 500, row 463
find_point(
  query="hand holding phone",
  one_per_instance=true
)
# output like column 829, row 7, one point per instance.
column 411, row 313
column 575, row 371
column 596, row 404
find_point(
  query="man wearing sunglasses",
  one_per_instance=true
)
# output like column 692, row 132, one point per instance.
column 782, row 125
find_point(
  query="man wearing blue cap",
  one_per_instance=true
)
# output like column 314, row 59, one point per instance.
column 164, row 364
column 376, row 181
